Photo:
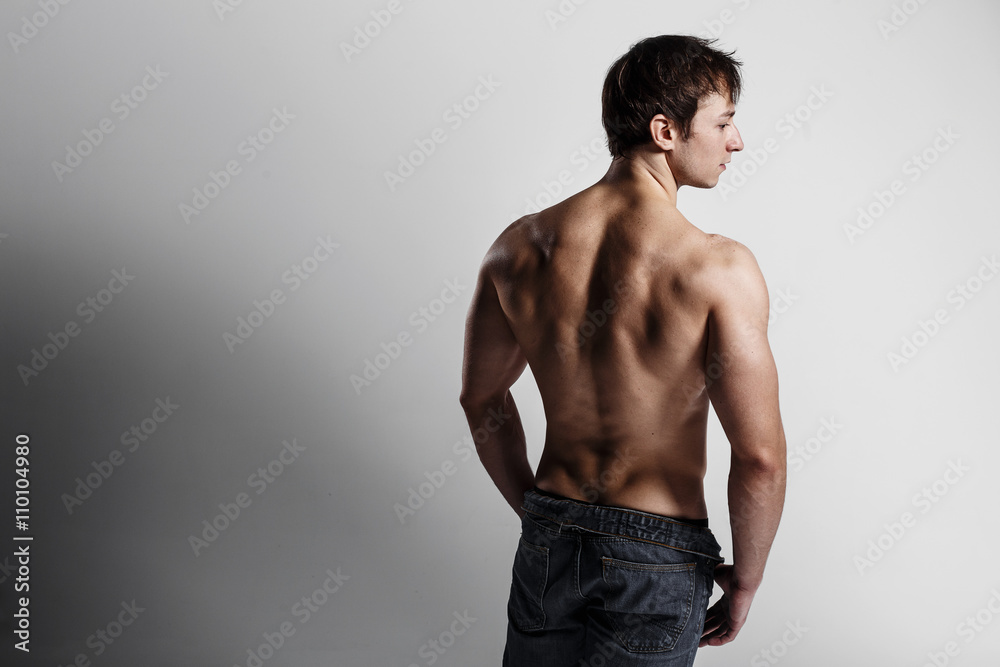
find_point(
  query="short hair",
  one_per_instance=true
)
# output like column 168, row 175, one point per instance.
column 666, row 75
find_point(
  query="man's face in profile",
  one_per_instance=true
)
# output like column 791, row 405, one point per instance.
column 700, row 160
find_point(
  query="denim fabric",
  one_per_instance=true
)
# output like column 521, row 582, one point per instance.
column 600, row 586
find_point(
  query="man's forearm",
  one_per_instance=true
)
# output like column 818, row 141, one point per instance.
column 756, row 498
column 499, row 437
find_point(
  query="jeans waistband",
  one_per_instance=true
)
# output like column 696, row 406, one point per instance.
column 623, row 522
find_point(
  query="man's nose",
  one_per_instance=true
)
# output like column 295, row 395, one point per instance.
column 736, row 141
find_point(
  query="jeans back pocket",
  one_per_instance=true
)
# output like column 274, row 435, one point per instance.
column 648, row 604
column 530, row 574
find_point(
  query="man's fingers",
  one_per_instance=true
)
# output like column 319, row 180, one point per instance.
column 711, row 625
column 718, row 641
column 712, row 638
column 723, row 635
column 714, row 616
column 716, row 623
column 717, row 629
column 717, row 613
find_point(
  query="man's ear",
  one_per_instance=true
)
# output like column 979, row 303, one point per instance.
column 664, row 132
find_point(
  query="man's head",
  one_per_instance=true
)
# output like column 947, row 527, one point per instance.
column 677, row 94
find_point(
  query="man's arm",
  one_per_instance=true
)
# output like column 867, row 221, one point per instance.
column 745, row 398
column 493, row 361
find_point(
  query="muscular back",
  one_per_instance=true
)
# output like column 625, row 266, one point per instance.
column 609, row 298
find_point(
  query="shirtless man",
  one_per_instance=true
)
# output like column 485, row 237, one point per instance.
column 632, row 320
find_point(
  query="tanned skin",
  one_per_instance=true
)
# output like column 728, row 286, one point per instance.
column 632, row 320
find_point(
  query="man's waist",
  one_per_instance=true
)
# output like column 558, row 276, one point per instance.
column 569, row 513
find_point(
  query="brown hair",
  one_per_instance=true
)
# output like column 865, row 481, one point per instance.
column 665, row 75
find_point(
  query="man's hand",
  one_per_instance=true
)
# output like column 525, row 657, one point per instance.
column 726, row 617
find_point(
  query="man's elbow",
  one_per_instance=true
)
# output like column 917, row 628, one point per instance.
column 763, row 462
column 477, row 404
column 473, row 402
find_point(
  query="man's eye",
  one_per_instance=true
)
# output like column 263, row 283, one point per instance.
column 726, row 125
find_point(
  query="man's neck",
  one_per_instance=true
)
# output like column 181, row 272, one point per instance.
column 647, row 173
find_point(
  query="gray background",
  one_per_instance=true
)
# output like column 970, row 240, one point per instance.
column 847, row 302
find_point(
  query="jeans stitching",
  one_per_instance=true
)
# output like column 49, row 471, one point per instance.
column 542, row 551
column 677, row 630
column 627, row 511
column 576, row 567
column 630, row 537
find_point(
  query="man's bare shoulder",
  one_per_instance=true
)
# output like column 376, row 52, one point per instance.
column 726, row 250
column 728, row 258
column 514, row 247
column 730, row 272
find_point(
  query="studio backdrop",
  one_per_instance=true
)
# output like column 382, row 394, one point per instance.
column 238, row 241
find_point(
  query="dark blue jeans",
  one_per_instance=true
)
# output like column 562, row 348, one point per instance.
column 601, row 586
